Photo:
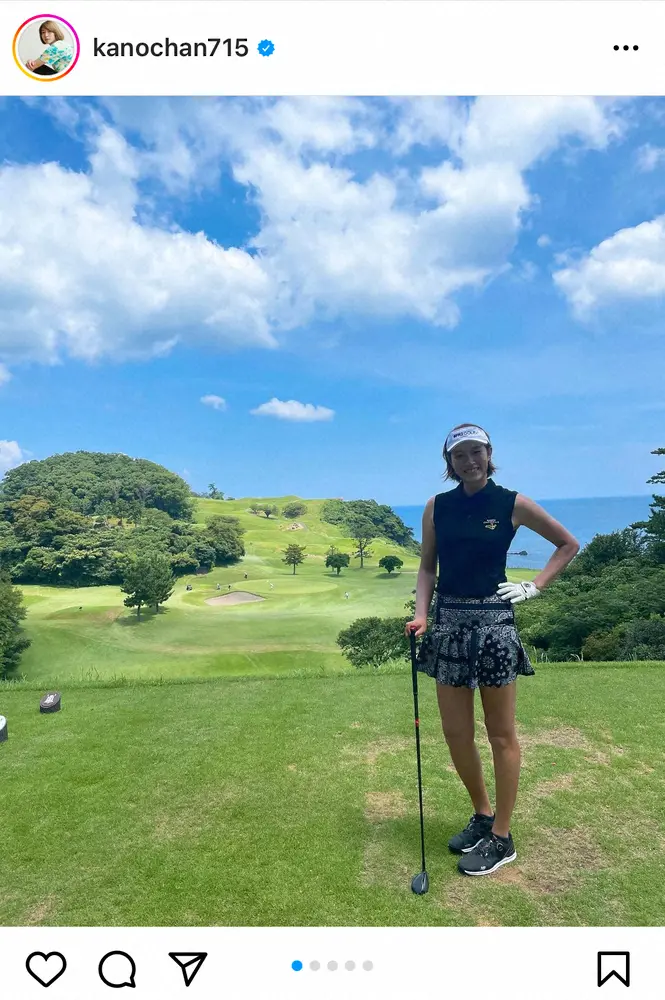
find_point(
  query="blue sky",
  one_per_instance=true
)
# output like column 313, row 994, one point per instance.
column 303, row 295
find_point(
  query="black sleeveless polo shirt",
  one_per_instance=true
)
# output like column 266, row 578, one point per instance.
column 473, row 535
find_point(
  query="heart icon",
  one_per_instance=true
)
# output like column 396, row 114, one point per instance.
column 38, row 970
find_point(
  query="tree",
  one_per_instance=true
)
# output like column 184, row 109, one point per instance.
column 389, row 563
column 606, row 550
column 13, row 641
column 294, row 509
column 362, row 531
column 214, row 493
column 148, row 580
column 122, row 510
column 655, row 526
column 268, row 509
column 204, row 553
column 644, row 639
column 105, row 511
column 81, row 481
column 294, row 555
column 337, row 560
column 135, row 511
column 224, row 534
column 373, row 641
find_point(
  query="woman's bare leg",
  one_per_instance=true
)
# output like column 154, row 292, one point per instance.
column 499, row 707
column 456, row 708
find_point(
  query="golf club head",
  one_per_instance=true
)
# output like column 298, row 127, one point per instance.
column 420, row 884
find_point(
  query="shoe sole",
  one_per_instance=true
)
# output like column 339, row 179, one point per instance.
column 490, row 870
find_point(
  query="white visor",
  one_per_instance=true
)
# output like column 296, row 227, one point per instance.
column 466, row 434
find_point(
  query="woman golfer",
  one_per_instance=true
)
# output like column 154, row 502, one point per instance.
column 473, row 641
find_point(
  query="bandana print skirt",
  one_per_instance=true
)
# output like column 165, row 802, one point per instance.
column 473, row 642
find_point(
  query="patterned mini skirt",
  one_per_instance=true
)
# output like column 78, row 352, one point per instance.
column 473, row 642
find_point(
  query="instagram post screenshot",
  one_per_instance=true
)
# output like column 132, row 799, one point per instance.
column 332, row 499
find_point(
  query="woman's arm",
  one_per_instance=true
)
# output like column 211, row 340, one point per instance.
column 532, row 515
column 427, row 572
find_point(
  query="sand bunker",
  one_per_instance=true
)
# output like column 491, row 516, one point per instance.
column 236, row 597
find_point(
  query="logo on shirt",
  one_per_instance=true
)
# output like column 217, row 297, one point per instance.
column 491, row 523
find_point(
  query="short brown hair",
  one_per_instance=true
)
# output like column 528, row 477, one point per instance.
column 450, row 472
column 54, row 27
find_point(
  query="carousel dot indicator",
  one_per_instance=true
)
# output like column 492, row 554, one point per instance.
column 368, row 966
column 350, row 966
column 315, row 966
column 296, row 966
column 332, row 966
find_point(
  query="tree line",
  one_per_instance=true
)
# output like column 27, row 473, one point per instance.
column 338, row 560
column 78, row 520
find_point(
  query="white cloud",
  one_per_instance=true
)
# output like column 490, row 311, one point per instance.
column 544, row 240
column 323, row 124
column 293, row 410
column 78, row 274
column 648, row 157
column 105, row 283
column 216, row 402
column 629, row 265
column 525, row 271
column 5, row 374
column 524, row 130
column 11, row 455
column 427, row 120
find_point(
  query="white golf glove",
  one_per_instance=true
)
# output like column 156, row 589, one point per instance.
column 516, row 592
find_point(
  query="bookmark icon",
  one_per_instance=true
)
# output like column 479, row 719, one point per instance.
column 614, row 964
column 189, row 962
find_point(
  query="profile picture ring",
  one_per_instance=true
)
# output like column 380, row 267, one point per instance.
column 46, row 48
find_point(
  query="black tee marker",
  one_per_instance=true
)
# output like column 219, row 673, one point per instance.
column 50, row 702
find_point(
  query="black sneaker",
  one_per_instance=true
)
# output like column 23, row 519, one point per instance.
column 477, row 829
column 489, row 855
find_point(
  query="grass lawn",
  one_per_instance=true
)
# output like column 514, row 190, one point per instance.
column 292, row 801
column 220, row 765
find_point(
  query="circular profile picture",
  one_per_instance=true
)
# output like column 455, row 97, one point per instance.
column 46, row 47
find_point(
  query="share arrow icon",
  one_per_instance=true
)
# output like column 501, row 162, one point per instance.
column 189, row 962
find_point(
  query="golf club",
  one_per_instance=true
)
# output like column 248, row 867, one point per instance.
column 420, row 882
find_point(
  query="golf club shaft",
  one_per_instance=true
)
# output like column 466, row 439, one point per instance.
column 414, row 674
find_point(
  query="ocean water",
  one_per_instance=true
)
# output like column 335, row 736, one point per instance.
column 584, row 518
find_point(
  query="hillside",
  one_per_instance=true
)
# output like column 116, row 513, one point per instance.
column 269, row 536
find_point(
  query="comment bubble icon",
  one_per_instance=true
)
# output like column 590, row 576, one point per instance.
column 118, row 969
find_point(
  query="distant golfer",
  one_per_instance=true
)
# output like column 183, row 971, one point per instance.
column 346, row 594
column 229, row 586
column 474, row 642
column 245, row 576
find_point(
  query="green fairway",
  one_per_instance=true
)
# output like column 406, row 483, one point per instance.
column 225, row 765
column 294, row 801
column 87, row 633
